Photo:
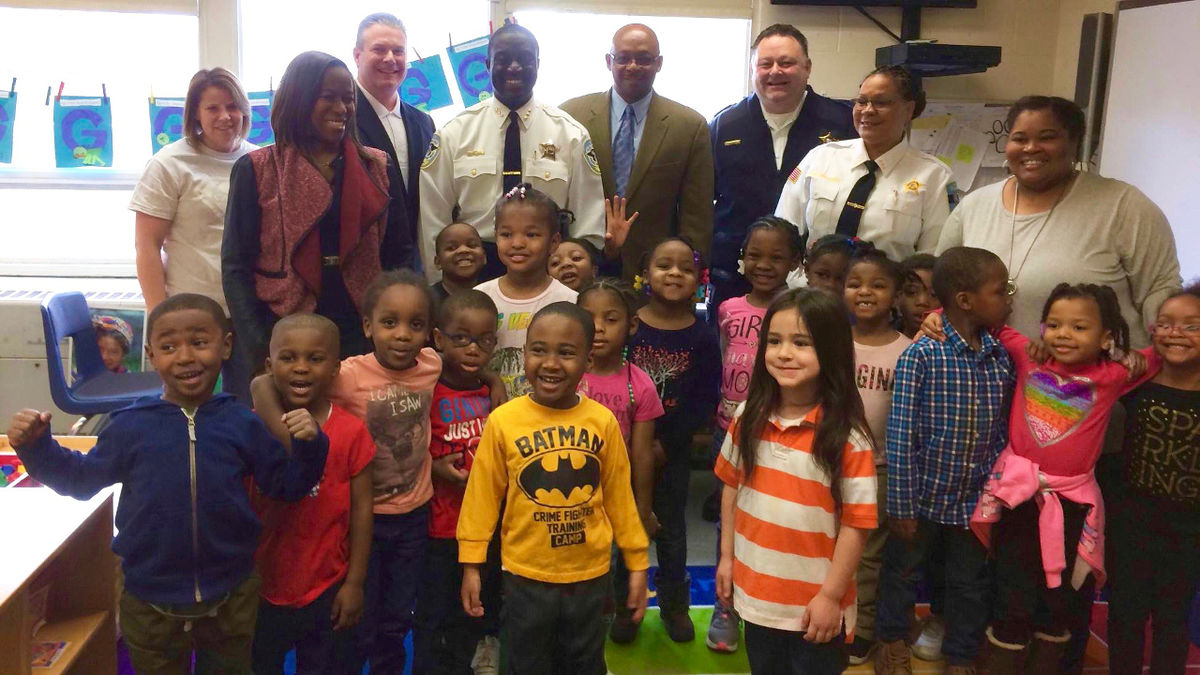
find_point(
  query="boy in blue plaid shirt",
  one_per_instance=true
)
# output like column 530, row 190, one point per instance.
column 947, row 425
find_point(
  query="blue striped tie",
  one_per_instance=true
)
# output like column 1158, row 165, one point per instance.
column 623, row 150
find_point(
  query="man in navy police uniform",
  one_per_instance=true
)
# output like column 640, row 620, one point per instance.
column 759, row 140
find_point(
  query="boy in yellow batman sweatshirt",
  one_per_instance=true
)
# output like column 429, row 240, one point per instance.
column 560, row 461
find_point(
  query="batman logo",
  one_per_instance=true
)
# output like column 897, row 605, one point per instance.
column 561, row 479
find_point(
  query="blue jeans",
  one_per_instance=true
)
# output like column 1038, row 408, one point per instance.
column 968, row 588
column 393, row 576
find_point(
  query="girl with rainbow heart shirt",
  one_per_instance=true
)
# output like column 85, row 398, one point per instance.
column 1041, row 511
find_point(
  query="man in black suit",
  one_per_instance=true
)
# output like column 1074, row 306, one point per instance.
column 760, row 139
column 386, row 122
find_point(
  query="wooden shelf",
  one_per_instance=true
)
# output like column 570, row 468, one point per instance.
column 77, row 631
column 66, row 546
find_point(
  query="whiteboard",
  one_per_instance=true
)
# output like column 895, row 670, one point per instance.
column 1151, row 135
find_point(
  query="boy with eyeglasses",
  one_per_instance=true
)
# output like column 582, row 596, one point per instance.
column 446, row 639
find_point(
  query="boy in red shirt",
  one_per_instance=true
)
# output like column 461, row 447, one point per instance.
column 446, row 640
column 313, row 553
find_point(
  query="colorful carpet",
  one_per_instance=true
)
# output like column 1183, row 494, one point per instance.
column 653, row 653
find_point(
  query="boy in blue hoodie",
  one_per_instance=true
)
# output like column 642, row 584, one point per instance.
column 187, row 532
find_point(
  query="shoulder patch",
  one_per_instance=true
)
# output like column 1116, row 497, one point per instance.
column 795, row 175
column 435, row 146
column 953, row 195
column 589, row 153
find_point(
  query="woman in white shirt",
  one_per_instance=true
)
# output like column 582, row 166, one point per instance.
column 901, row 195
column 180, row 201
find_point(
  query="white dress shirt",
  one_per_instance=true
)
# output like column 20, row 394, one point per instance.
column 393, row 124
column 466, row 158
column 905, row 212
column 780, row 124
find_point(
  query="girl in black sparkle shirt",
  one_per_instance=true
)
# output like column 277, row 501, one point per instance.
column 1154, row 524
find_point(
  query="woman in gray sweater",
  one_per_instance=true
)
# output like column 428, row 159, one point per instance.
column 1050, row 223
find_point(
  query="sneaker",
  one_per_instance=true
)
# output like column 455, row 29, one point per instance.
column 928, row 645
column 723, row 630
column 624, row 630
column 892, row 658
column 859, row 651
column 487, row 656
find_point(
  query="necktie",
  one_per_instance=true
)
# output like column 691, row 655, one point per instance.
column 856, row 202
column 623, row 150
column 512, row 152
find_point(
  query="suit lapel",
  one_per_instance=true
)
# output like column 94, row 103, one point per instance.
column 602, row 139
column 652, row 137
column 370, row 129
column 415, row 154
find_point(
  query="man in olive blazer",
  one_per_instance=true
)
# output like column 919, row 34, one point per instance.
column 670, row 180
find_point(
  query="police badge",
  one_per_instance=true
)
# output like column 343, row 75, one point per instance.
column 435, row 146
column 590, row 155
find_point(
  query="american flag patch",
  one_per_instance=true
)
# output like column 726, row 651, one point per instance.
column 795, row 175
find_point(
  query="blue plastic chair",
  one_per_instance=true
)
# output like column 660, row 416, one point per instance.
column 95, row 389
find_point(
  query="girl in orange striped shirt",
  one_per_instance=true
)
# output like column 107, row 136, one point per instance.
column 799, row 495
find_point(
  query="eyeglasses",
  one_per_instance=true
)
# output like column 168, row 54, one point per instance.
column 642, row 60
column 877, row 103
column 1190, row 330
column 462, row 340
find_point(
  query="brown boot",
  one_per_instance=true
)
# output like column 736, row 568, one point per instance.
column 893, row 658
column 1004, row 658
column 1045, row 653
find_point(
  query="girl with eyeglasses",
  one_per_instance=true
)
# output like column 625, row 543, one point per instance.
column 1154, row 528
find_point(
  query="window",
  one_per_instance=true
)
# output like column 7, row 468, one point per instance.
column 131, row 54
column 275, row 31
column 75, row 221
column 705, row 61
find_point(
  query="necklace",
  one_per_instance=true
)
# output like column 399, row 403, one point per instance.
column 1011, row 287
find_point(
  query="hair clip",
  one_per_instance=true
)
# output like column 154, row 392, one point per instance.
column 702, row 288
column 517, row 192
column 640, row 284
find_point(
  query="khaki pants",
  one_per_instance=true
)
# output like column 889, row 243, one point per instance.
column 866, row 578
column 161, row 639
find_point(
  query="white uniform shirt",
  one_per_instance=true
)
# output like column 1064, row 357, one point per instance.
column 904, row 213
column 393, row 124
column 780, row 124
column 466, row 159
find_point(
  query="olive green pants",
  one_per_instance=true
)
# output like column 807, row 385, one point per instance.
column 161, row 639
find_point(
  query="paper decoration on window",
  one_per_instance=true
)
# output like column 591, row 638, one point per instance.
column 469, row 61
column 425, row 86
column 261, row 132
column 8, row 116
column 82, row 131
column 166, row 122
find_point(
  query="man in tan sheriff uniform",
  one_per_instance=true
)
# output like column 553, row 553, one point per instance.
column 474, row 159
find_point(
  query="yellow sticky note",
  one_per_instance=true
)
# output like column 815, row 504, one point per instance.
column 964, row 153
